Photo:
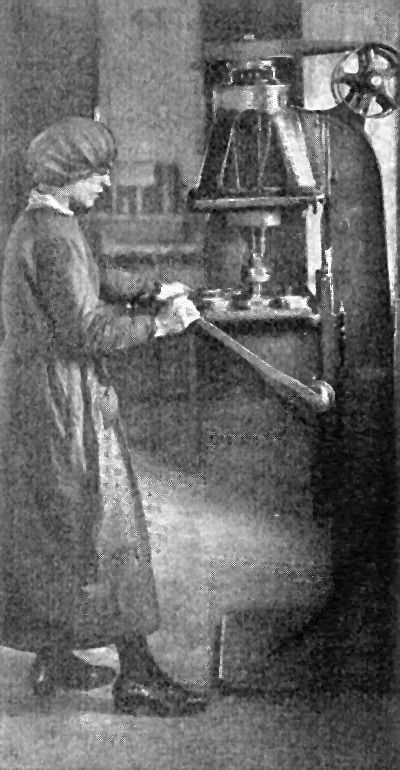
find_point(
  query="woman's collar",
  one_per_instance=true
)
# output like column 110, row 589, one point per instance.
column 38, row 200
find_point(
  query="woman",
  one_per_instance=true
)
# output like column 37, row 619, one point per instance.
column 76, row 558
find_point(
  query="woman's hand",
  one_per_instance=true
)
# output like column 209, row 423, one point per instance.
column 168, row 291
column 175, row 316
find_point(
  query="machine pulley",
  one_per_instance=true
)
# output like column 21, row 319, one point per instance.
column 366, row 80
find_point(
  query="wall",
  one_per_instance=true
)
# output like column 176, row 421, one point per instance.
column 58, row 60
column 48, row 69
column 8, row 117
column 224, row 21
column 150, row 94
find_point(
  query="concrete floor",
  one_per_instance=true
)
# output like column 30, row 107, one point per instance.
column 210, row 555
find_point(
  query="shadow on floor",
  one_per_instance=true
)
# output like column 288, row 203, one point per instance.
column 79, row 730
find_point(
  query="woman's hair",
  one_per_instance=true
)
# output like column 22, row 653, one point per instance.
column 72, row 149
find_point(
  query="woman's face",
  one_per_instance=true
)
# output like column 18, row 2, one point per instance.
column 85, row 192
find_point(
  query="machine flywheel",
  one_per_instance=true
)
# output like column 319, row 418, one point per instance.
column 366, row 80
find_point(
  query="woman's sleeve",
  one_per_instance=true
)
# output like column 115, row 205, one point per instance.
column 69, row 295
column 121, row 284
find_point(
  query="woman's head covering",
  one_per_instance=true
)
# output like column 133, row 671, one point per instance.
column 72, row 149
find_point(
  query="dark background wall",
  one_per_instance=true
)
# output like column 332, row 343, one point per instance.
column 224, row 21
column 55, row 72
column 58, row 60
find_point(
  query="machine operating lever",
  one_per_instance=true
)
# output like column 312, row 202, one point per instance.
column 319, row 396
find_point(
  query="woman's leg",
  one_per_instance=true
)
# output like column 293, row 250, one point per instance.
column 142, row 684
column 56, row 665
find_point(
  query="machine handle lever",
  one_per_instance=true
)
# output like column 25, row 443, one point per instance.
column 324, row 391
column 320, row 396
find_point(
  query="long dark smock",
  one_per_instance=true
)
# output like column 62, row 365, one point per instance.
column 76, row 560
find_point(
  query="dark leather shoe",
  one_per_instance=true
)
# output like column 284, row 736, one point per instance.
column 67, row 671
column 152, row 699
